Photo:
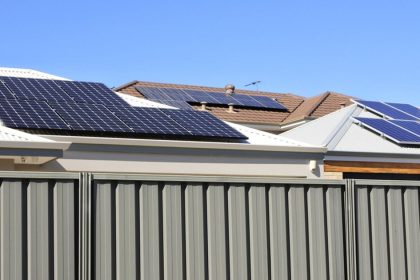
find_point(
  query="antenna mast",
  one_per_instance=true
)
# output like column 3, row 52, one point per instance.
column 256, row 83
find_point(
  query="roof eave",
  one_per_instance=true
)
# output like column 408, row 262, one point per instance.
column 184, row 144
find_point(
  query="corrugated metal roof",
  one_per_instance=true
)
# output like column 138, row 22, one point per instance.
column 27, row 73
column 8, row 134
column 141, row 102
column 339, row 133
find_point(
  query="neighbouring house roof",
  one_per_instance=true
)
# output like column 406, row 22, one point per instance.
column 298, row 107
column 342, row 136
column 27, row 73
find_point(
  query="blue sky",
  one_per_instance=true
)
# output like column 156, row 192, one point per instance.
column 368, row 49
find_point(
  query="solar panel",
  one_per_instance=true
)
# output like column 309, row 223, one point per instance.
column 37, row 89
column 89, row 117
column 215, row 98
column 203, row 124
column 175, row 122
column 385, row 110
column 406, row 108
column 5, row 92
column 270, row 103
column 92, row 93
column 149, row 121
column 30, row 114
column 412, row 126
column 174, row 103
column 390, row 131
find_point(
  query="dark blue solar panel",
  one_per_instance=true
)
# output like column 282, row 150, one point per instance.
column 204, row 124
column 174, row 103
column 246, row 100
column 31, row 114
column 385, row 110
column 215, row 98
column 412, row 126
column 390, row 130
column 89, row 117
column 5, row 91
column 38, row 89
column 269, row 103
column 407, row 108
column 154, row 93
column 149, row 121
column 91, row 93
column 175, row 122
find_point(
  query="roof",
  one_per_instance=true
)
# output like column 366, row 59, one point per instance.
column 255, row 137
column 298, row 107
column 340, row 134
column 27, row 73
column 319, row 106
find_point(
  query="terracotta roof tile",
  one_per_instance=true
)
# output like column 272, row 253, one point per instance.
column 298, row 107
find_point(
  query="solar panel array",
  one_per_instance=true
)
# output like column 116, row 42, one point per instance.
column 396, row 111
column 215, row 98
column 400, row 123
column 27, row 103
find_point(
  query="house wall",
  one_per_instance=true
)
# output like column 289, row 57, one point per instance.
column 161, row 160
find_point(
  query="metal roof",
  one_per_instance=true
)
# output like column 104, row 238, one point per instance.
column 339, row 133
column 27, row 73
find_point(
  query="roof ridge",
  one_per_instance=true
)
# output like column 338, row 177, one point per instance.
column 200, row 87
column 321, row 99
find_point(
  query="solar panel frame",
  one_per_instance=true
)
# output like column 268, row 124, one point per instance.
column 30, row 114
column 385, row 110
column 390, row 131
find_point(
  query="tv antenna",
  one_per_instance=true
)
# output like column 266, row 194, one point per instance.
column 254, row 84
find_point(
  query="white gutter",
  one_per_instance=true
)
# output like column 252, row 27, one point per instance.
column 183, row 144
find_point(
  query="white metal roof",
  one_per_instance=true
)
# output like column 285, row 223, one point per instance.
column 142, row 102
column 339, row 133
column 9, row 134
column 27, row 73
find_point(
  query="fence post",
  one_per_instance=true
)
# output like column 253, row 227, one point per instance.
column 85, row 222
column 350, row 212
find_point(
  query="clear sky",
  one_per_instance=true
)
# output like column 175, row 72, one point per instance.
column 367, row 49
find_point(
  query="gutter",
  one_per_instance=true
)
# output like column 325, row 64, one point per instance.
column 183, row 144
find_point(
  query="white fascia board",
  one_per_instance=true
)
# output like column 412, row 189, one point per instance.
column 35, row 145
column 183, row 144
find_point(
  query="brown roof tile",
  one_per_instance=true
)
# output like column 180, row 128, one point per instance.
column 298, row 107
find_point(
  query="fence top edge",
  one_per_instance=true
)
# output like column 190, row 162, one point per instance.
column 370, row 182
column 39, row 175
column 214, row 179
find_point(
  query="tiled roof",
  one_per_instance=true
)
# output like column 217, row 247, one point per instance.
column 298, row 107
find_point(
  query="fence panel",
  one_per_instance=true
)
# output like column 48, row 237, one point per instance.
column 218, row 230
column 387, row 228
column 39, row 226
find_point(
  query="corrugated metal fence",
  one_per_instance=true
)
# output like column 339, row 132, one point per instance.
column 110, row 226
